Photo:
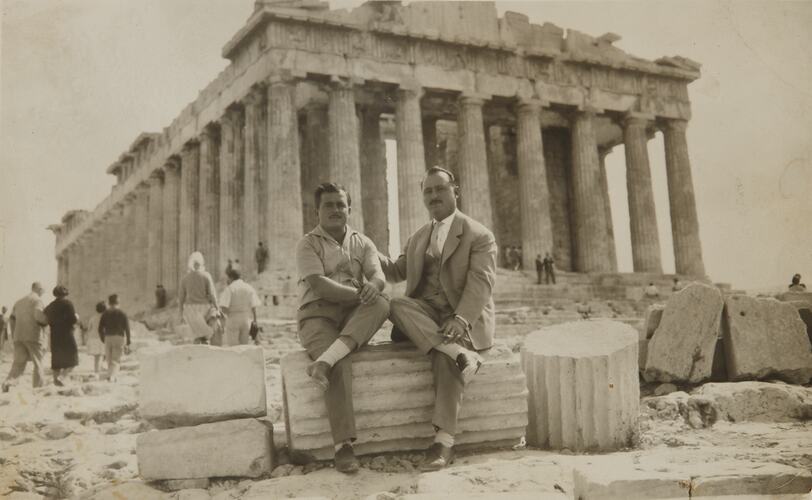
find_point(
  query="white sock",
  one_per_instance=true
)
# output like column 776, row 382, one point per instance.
column 342, row 443
column 444, row 438
column 451, row 350
column 334, row 353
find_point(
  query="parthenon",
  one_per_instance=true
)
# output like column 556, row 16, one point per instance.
column 523, row 114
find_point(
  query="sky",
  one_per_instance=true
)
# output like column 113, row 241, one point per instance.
column 80, row 79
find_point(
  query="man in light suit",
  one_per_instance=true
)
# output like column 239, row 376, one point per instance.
column 449, row 266
column 27, row 321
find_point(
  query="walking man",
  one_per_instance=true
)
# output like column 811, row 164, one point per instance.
column 26, row 322
column 261, row 256
column 449, row 266
column 239, row 301
column 114, row 330
column 549, row 268
column 340, row 309
column 539, row 268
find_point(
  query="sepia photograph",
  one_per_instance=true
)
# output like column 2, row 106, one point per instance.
column 392, row 249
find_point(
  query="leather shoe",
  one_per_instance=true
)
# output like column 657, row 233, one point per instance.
column 438, row 457
column 318, row 372
column 345, row 460
column 469, row 364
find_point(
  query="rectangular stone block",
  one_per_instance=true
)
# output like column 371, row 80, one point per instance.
column 193, row 384
column 242, row 448
column 393, row 395
column 765, row 338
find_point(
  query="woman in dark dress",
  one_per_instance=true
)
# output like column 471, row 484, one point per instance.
column 62, row 319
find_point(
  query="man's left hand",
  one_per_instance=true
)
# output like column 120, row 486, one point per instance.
column 453, row 330
column 368, row 293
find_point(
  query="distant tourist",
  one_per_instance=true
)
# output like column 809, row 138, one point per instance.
column 3, row 327
column 239, row 301
column 677, row 286
column 160, row 297
column 340, row 309
column 261, row 256
column 62, row 319
column 796, row 285
column 114, row 331
column 237, row 266
column 539, row 268
column 510, row 257
column 549, row 268
column 196, row 295
column 519, row 264
column 651, row 291
column 95, row 344
column 26, row 322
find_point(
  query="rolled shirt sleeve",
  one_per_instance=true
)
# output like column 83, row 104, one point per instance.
column 225, row 297
column 308, row 261
column 372, row 264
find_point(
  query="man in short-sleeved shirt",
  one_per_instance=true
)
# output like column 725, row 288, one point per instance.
column 239, row 300
column 340, row 309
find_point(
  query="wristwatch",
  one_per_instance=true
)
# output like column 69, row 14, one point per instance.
column 464, row 322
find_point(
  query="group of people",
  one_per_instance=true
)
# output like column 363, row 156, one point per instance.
column 513, row 257
column 108, row 331
column 545, row 266
column 449, row 265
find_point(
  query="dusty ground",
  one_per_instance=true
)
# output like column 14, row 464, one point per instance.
column 80, row 441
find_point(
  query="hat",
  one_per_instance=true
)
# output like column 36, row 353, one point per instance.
column 60, row 291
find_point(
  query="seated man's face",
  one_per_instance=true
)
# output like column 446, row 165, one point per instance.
column 439, row 196
column 333, row 210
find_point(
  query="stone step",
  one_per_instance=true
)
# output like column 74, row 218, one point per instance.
column 584, row 387
column 241, row 448
column 192, row 384
column 393, row 396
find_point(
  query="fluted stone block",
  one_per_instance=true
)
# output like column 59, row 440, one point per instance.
column 584, row 387
column 765, row 338
column 195, row 384
column 682, row 347
column 235, row 448
column 393, row 395
column 654, row 314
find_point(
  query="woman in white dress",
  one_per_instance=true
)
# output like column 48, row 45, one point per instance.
column 95, row 344
column 196, row 295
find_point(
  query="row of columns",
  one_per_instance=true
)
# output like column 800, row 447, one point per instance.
column 241, row 181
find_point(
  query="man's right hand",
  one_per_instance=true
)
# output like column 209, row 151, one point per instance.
column 368, row 293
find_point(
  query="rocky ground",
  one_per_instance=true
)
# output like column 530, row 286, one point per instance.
column 79, row 440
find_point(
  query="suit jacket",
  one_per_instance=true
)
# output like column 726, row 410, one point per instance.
column 29, row 318
column 467, row 272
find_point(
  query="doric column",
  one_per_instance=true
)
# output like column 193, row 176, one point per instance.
column 118, row 239
column 472, row 162
column 105, row 262
column 95, row 293
column 126, row 267
column 140, row 244
column 344, row 156
column 534, row 194
column 187, row 228
column 642, row 216
column 607, row 211
column 170, row 228
column 284, row 209
column 315, row 159
column 250, row 220
column 229, row 205
column 373, row 180
column 208, row 225
column 155, row 232
column 411, row 162
column 684, row 221
column 430, row 142
column 591, row 250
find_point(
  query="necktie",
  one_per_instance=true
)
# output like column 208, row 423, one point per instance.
column 434, row 247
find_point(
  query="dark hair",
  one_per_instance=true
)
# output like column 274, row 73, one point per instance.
column 60, row 291
column 233, row 274
column 438, row 170
column 796, row 279
column 330, row 187
column 101, row 307
column 113, row 299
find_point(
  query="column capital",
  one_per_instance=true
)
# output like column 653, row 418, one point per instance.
column 255, row 95
column 473, row 99
column 675, row 124
column 525, row 105
column 189, row 145
column 637, row 119
column 589, row 109
column 416, row 90
column 344, row 83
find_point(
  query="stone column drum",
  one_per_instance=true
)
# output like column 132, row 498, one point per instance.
column 250, row 198
column 170, row 228
column 684, row 221
column 534, row 195
column 642, row 215
column 284, row 209
column 584, row 387
column 228, row 220
column 411, row 162
column 187, row 223
column 591, row 250
column 373, row 180
column 611, row 251
column 155, row 231
column 208, row 200
column 140, row 245
column 344, row 155
column 472, row 162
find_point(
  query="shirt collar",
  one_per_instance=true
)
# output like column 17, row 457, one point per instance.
column 319, row 231
column 444, row 221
